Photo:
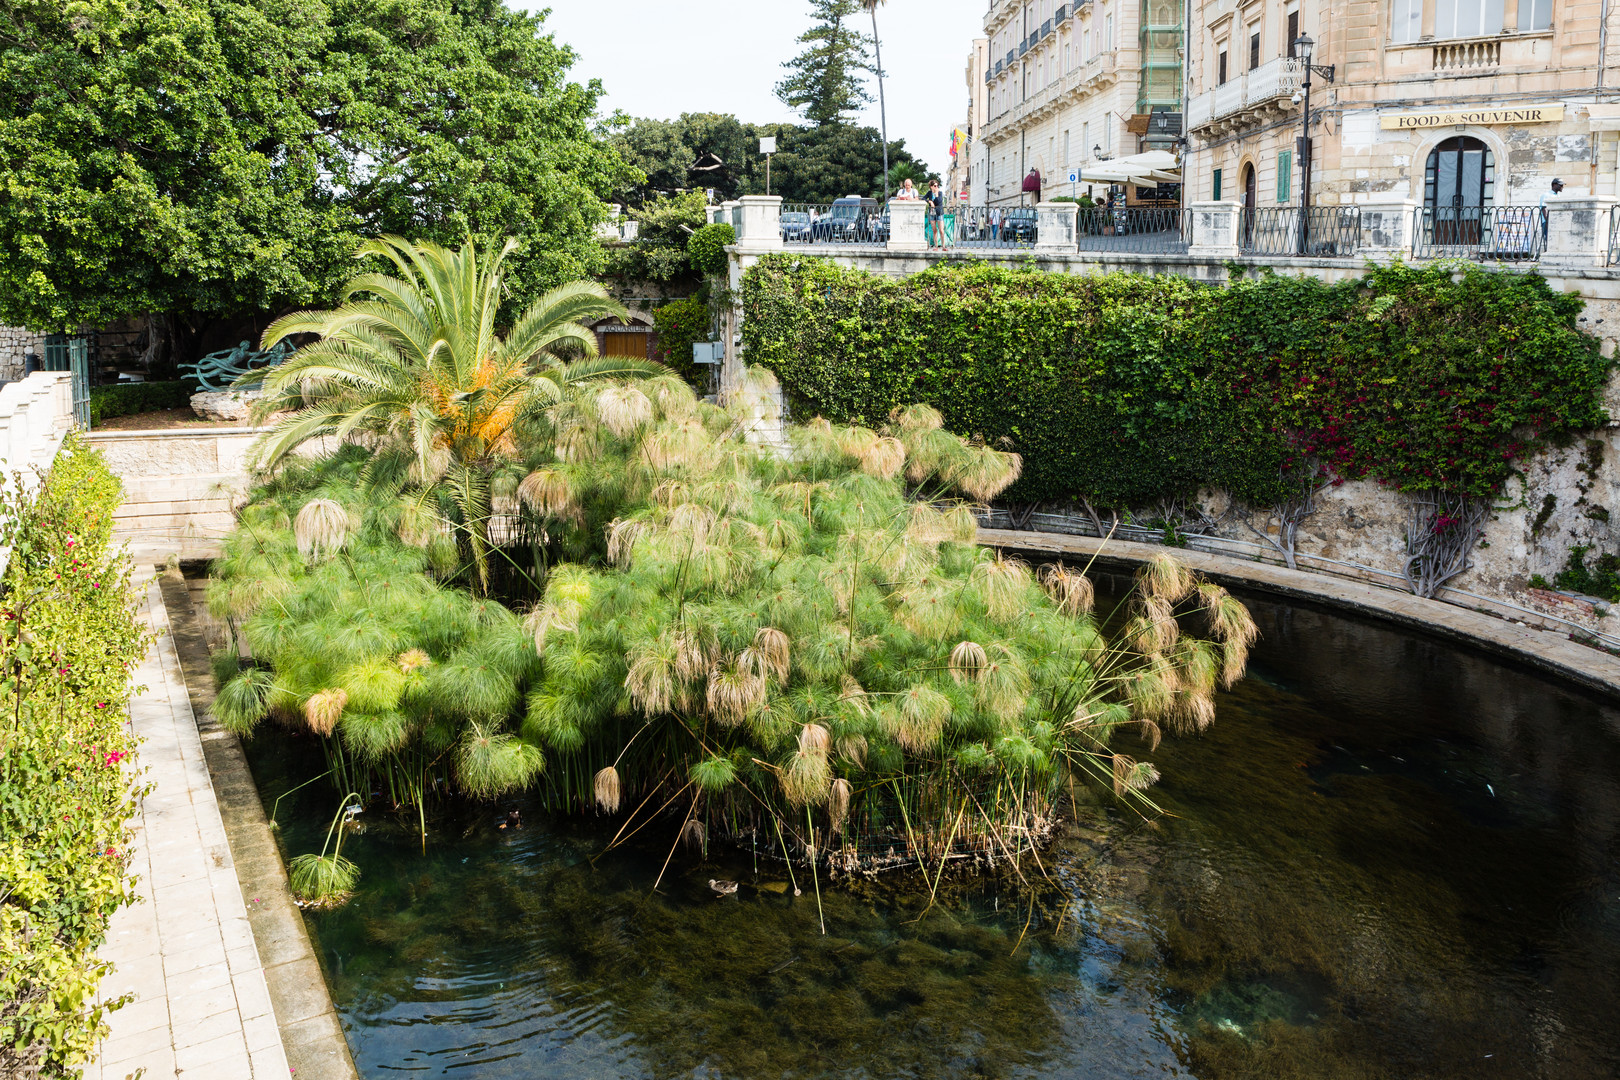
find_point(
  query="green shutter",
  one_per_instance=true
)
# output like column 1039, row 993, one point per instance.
column 1217, row 194
column 1285, row 174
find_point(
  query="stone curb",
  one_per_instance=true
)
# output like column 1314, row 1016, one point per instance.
column 311, row 1031
column 1549, row 651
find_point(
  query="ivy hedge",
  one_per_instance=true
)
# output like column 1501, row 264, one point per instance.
column 1127, row 389
column 68, row 642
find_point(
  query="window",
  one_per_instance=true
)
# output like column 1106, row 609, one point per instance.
column 1085, row 38
column 1285, row 174
column 1254, row 50
column 1467, row 18
column 1108, row 30
column 1220, row 69
column 1535, row 14
column 1293, row 30
column 1108, row 133
column 1217, row 195
column 1067, row 160
column 1085, row 140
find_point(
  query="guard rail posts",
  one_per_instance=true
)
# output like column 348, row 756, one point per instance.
column 1215, row 230
column 758, row 221
column 1576, row 233
column 1055, row 228
column 906, row 227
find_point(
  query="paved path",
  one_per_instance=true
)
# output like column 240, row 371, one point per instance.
column 1549, row 650
column 186, row 950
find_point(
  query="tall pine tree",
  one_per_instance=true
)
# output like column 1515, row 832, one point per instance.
column 827, row 77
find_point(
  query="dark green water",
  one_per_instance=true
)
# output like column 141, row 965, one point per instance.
column 1390, row 858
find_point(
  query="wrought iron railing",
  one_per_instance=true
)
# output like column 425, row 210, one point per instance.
column 993, row 226
column 1507, row 233
column 826, row 223
column 1614, row 239
column 1323, row 232
column 1140, row 230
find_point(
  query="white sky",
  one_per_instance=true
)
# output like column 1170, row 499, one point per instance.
column 661, row 59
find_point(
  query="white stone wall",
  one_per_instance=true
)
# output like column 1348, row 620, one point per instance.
column 15, row 343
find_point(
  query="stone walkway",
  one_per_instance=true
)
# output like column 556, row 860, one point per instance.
column 186, row 950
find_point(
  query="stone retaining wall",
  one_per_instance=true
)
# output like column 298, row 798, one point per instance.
column 180, row 487
column 15, row 343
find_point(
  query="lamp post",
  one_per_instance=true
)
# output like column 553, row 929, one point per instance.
column 1302, row 49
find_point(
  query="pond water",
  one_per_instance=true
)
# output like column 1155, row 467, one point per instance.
column 1389, row 857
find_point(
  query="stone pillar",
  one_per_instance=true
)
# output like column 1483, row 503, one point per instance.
column 1386, row 226
column 731, row 215
column 906, row 225
column 1055, row 227
column 761, row 223
column 1577, row 232
column 1215, row 230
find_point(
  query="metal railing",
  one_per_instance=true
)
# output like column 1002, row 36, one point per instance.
column 824, row 223
column 1507, row 233
column 1141, row 230
column 1613, row 258
column 992, row 226
column 1323, row 232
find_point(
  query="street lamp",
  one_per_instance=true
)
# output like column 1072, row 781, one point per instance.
column 1303, row 46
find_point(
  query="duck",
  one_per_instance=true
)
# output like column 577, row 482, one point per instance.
column 723, row 888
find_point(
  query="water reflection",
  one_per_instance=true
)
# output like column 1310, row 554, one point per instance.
column 1389, row 858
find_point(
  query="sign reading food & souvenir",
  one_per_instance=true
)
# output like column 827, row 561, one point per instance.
column 1522, row 114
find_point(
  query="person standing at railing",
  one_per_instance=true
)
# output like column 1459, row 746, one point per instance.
column 995, row 224
column 1557, row 189
column 936, row 213
column 908, row 191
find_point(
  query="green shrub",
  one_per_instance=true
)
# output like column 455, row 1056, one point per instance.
column 707, row 248
column 680, row 324
column 68, row 642
column 1128, row 390
column 131, row 399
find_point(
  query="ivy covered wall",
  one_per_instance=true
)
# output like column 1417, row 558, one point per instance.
column 1125, row 390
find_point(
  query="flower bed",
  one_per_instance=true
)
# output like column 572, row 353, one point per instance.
column 68, row 641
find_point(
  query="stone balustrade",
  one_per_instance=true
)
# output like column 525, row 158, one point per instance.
column 1576, row 234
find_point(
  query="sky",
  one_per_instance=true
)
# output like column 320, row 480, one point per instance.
column 661, row 59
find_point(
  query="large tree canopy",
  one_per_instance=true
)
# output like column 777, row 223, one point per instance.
column 206, row 157
column 812, row 164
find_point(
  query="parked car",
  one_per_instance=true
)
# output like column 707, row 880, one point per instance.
column 849, row 221
column 796, row 226
column 1018, row 225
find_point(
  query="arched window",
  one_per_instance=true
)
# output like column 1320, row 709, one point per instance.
column 1461, row 173
column 1457, row 186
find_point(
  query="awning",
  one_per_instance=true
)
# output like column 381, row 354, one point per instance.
column 1146, row 168
column 1604, row 117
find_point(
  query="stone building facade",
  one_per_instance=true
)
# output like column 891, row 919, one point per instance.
column 959, row 176
column 1065, row 85
column 15, row 344
column 1434, row 103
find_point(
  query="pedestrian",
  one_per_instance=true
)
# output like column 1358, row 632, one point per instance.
column 908, row 191
column 936, row 214
column 995, row 224
column 1557, row 189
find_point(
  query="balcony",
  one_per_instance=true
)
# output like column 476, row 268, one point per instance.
column 1246, row 100
column 1061, row 14
column 1046, row 29
column 1468, row 55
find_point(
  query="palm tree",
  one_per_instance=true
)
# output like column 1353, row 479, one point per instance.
column 883, row 111
column 413, row 361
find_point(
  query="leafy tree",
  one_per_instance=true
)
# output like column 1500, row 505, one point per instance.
column 658, row 254
column 422, row 369
column 820, row 164
column 665, row 151
column 826, row 79
column 208, row 157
